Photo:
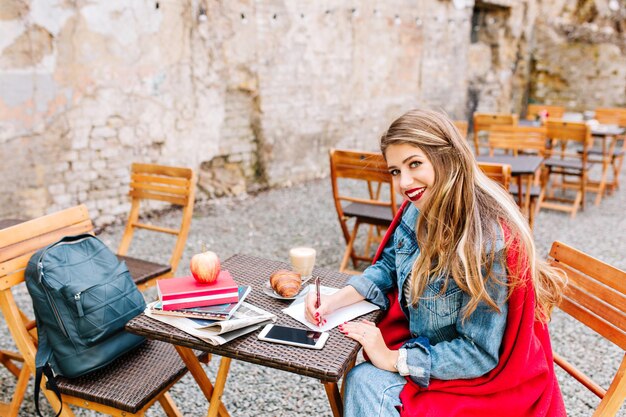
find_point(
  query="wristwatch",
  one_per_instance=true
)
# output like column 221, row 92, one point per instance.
column 401, row 364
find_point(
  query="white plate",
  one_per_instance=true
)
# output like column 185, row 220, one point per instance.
column 268, row 290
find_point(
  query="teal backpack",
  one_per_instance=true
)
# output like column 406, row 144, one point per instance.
column 83, row 296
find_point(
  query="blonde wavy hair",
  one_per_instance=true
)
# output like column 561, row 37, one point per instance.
column 464, row 212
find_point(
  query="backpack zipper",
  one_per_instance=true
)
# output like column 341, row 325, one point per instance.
column 50, row 299
column 79, row 304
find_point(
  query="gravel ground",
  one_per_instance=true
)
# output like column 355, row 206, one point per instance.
column 269, row 223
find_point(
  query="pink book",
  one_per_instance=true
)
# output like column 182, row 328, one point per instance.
column 186, row 292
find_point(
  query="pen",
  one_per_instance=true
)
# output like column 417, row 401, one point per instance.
column 318, row 301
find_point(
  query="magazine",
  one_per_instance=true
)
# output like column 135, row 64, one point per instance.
column 247, row 318
column 215, row 312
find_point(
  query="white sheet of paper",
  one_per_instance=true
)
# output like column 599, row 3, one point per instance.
column 296, row 310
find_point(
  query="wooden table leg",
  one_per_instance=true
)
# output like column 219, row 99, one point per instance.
column 334, row 398
column 212, row 394
column 218, row 390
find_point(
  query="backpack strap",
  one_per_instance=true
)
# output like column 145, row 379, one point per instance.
column 52, row 385
column 42, row 366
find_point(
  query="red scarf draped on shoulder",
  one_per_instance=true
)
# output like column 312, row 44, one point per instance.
column 522, row 384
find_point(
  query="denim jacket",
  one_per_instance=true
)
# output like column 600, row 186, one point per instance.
column 444, row 346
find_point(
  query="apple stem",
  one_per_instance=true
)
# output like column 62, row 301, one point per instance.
column 203, row 247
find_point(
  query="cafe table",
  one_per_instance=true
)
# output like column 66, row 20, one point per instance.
column 327, row 365
column 522, row 167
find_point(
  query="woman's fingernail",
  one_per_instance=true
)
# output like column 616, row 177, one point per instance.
column 317, row 314
column 324, row 321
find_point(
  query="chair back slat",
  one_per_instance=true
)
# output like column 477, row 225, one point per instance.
column 367, row 166
column 534, row 111
column 596, row 293
column 611, row 116
column 28, row 237
column 529, row 139
column 500, row 173
column 156, row 179
column 484, row 121
column 585, row 264
column 43, row 225
column 163, row 170
column 568, row 131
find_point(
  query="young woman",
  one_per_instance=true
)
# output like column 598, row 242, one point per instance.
column 467, row 299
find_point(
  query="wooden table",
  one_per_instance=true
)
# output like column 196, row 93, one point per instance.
column 522, row 166
column 328, row 365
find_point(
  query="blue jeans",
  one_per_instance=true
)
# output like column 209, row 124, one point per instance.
column 372, row 392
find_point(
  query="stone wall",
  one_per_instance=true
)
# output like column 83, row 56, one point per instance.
column 251, row 94
column 579, row 55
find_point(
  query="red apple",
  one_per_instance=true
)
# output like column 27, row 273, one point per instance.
column 205, row 267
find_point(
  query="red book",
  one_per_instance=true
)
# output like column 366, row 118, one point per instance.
column 186, row 292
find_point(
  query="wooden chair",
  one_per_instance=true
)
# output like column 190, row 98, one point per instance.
column 462, row 125
column 500, row 173
column 615, row 157
column 566, row 162
column 522, row 140
column 126, row 387
column 171, row 185
column 533, row 111
column 596, row 297
column 483, row 123
column 370, row 168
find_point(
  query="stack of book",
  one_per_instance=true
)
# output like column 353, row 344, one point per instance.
column 185, row 297
column 215, row 313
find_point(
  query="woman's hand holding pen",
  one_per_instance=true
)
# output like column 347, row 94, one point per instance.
column 329, row 303
column 369, row 336
column 317, row 307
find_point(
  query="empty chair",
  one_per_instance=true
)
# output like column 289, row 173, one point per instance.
column 484, row 121
column 596, row 297
column 129, row 385
column 564, row 162
column 369, row 208
column 172, row 185
column 536, row 111
column 500, row 173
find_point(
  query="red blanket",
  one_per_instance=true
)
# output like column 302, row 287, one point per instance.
column 522, row 384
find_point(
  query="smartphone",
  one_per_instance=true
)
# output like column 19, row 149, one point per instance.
column 294, row 337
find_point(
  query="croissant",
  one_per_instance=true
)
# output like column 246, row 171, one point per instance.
column 286, row 283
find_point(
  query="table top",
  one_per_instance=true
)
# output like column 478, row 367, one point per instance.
column 328, row 364
column 606, row 130
column 520, row 165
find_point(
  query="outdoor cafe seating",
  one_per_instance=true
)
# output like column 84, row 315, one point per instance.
column 367, row 170
column 174, row 186
column 525, row 142
column 565, row 162
column 484, row 121
column 538, row 111
column 129, row 385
